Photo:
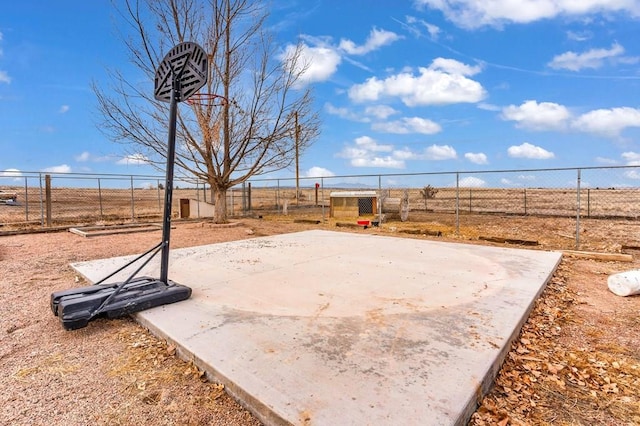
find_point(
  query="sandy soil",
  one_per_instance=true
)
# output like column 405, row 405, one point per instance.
column 577, row 360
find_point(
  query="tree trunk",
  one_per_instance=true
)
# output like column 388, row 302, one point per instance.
column 212, row 194
column 220, row 207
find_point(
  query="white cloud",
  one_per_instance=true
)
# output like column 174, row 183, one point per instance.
column 477, row 158
column 380, row 111
column 527, row 177
column 405, row 154
column 133, row 159
column 383, row 162
column 632, row 174
column 537, row 116
column 345, row 113
column 377, row 38
column 579, row 36
column 316, row 63
column 370, row 144
column 4, row 77
column 632, row 158
column 471, row 182
column 440, row 152
column 527, row 150
column 608, row 122
column 63, row 168
column 147, row 185
column 593, row 58
column 488, row 107
column 475, row 14
column 367, row 152
column 605, row 160
column 411, row 25
column 443, row 82
column 82, row 157
column 87, row 156
column 506, row 181
column 408, row 125
column 15, row 174
column 316, row 171
column 63, row 109
column 451, row 66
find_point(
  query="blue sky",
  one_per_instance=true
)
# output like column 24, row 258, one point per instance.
column 401, row 86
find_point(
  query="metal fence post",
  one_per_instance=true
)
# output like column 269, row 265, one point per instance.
column 158, row 191
column 100, row 197
column 244, row 198
column 457, row 203
column 41, row 202
column 322, row 195
column 525, row 201
column 47, row 194
column 588, row 202
column 578, row 214
column 132, row 202
column 26, row 199
column 379, row 200
column 198, row 196
column 470, row 200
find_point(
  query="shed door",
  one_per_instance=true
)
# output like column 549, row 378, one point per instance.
column 365, row 206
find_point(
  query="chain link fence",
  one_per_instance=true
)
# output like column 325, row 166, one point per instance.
column 457, row 199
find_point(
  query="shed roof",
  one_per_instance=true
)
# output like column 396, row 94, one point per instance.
column 353, row 194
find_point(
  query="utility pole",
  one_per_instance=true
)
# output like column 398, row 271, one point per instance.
column 297, row 158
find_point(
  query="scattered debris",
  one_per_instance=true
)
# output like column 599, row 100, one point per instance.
column 625, row 283
column 348, row 225
column 96, row 231
column 422, row 232
column 509, row 241
column 630, row 246
column 619, row 257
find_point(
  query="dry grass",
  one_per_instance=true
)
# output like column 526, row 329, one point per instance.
column 575, row 361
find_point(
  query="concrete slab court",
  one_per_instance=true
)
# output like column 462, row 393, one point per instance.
column 331, row 328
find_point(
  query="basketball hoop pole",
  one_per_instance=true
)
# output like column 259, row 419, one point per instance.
column 182, row 72
column 168, row 192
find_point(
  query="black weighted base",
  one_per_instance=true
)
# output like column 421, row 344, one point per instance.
column 77, row 306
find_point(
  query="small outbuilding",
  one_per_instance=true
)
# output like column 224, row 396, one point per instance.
column 353, row 203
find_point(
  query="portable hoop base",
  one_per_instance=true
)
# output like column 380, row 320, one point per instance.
column 182, row 72
column 78, row 306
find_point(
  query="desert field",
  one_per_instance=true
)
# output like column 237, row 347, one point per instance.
column 467, row 212
column 575, row 361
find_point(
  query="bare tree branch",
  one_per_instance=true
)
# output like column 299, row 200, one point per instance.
column 251, row 132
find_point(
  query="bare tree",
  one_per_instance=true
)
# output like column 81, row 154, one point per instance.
column 248, row 130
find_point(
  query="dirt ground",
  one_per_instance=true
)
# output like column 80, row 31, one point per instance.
column 576, row 362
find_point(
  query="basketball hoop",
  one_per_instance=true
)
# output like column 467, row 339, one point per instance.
column 207, row 99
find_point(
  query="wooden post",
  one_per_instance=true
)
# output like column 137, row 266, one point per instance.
column 47, row 197
column 317, row 186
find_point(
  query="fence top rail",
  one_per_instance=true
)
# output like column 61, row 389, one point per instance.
column 14, row 174
column 459, row 172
